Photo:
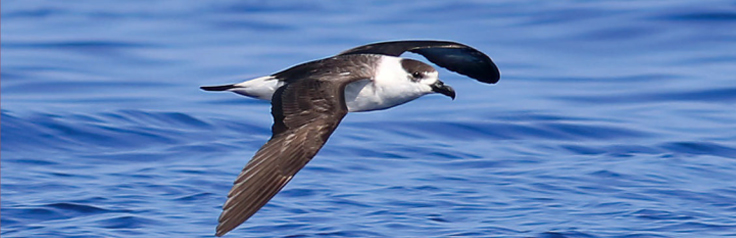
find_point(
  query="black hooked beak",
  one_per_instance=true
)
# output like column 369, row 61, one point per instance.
column 440, row 87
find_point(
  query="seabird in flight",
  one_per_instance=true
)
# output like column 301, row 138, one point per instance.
column 309, row 100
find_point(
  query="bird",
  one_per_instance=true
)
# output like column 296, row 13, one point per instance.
column 309, row 100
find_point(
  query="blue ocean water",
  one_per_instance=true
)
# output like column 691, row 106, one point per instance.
column 611, row 119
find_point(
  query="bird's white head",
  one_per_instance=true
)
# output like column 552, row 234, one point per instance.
column 404, row 80
column 395, row 82
column 425, row 78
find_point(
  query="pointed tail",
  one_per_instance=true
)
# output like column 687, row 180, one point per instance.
column 218, row 88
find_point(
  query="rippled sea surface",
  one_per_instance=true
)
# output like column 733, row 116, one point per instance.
column 611, row 119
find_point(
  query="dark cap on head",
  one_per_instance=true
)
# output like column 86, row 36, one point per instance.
column 412, row 66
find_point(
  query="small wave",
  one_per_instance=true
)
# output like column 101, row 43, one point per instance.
column 126, row 222
column 81, row 208
column 54, row 211
column 80, row 45
column 699, row 15
column 566, row 234
column 701, row 148
column 655, row 214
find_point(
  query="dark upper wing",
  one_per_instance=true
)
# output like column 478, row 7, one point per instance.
column 454, row 56
column 306, row 112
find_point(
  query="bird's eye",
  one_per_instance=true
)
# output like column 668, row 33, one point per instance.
column 417, row 75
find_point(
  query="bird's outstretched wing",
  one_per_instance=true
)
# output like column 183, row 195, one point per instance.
column 306, row 111
column 454, row 56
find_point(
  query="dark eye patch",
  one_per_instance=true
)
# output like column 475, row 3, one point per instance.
column 417, row 75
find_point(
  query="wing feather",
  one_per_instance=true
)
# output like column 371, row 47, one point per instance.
column 306, row 111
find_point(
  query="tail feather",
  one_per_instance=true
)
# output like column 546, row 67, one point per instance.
column 218, row 88
column 260, row 88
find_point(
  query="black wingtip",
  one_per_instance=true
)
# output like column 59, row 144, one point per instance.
column 464, row 60
column 492, row 74
column 217, row 88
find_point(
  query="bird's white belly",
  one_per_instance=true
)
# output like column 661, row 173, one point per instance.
column 364, row 95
